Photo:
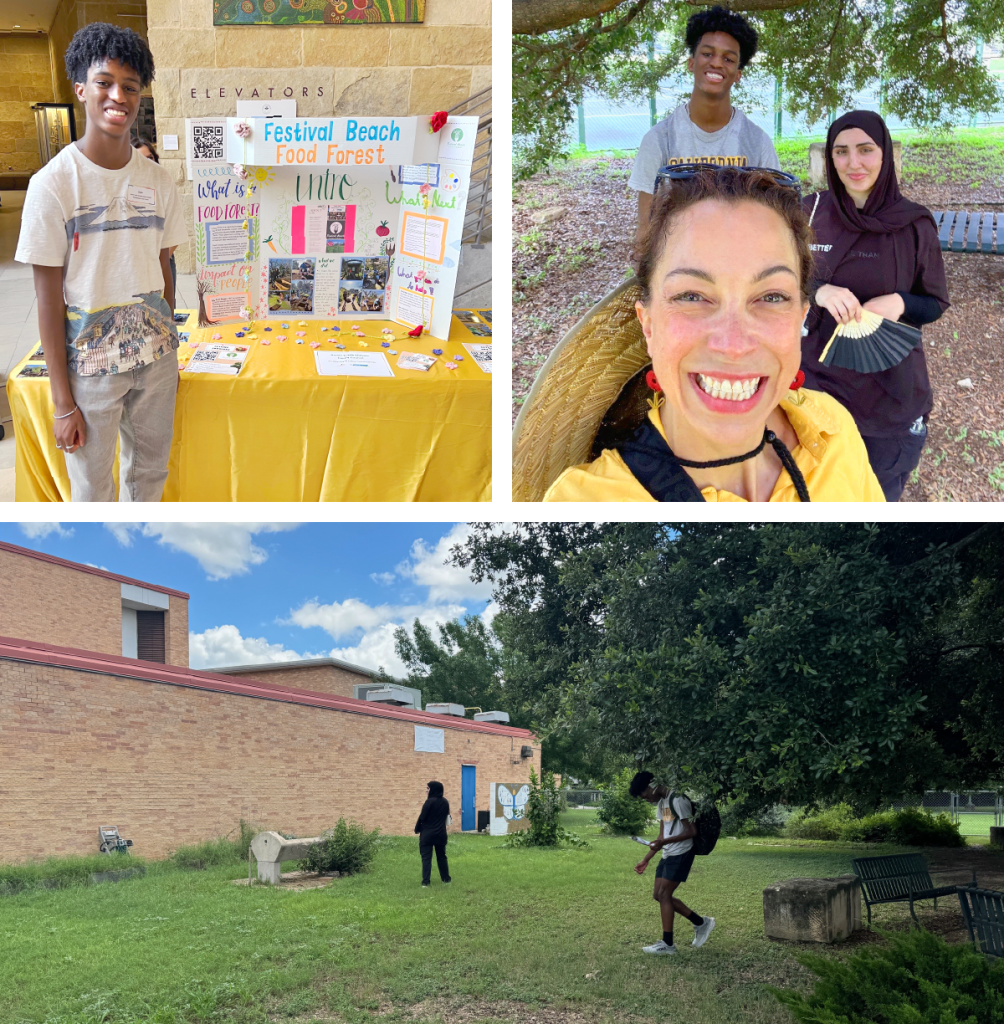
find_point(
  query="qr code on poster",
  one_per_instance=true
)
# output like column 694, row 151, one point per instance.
column 207, row 142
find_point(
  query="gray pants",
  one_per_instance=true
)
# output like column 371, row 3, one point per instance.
column 138, row 405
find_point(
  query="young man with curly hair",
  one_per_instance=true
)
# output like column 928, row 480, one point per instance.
column 98, row 225
column 707, row 127
column 676, row 841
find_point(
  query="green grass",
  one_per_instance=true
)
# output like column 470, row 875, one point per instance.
column 178, row 946
column 61, row 872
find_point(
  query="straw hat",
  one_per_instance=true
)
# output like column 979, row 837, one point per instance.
column 575, row 389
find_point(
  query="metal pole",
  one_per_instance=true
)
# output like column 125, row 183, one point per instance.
column 651, row 92
column 777, row 107
column 582, row 126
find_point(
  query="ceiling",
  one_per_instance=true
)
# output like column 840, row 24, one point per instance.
column 31, row 15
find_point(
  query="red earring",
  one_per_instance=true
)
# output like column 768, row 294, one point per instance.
column 652, row 381
column 797, row 382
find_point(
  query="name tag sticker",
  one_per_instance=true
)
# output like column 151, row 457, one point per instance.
column 139, row 194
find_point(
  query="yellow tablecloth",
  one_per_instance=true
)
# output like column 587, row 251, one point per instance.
column 281, row 432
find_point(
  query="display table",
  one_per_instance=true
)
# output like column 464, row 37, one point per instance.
column 280, row 432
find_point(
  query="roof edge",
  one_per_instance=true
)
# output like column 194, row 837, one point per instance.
column 41, row 556
column 12, row 649
column 275, row 666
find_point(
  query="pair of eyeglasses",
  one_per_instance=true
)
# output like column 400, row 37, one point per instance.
column 684, row 172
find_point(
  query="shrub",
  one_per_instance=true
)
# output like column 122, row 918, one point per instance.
column 621, row 813
column 346, row 848
column 61, row 872
column 542, row 812
column 917, row 977
column 229, row 849
column 908, row 827
column 742, row 819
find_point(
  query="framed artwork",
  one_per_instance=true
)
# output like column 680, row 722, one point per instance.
column 317, row 12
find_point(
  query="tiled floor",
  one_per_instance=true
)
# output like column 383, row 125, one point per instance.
column 19, row 317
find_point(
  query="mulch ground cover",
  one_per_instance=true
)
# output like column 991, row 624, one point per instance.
column 560, row 269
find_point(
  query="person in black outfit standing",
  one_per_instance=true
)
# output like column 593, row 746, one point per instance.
column 431, row 829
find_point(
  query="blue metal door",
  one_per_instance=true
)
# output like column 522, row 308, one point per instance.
column 468, row 787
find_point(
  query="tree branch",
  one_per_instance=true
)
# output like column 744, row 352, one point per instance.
column 944, row 31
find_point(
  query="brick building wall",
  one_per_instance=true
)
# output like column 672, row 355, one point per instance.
column 52, row 601
column 321, row 678
column 170, row 764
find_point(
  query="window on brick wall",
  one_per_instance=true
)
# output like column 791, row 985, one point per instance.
column 150, row 645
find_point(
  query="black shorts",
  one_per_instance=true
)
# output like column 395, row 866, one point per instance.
column 675, row 869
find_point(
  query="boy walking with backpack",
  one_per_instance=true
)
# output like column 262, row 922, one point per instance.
column 676, row 841
column 98, row 226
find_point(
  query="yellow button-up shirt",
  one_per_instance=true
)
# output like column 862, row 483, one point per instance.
column 830, row 454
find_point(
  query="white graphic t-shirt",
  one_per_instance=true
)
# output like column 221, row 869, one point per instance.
column 672, row 818
column 106, row 229
column 677, row 140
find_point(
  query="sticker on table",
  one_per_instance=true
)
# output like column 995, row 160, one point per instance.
column 34, row 370
column 226, row 241
column 414, row 307
column 479, row 330
column 415, row 361
column 486, row 315
column 291, row 285
column 419, row 174
column 362, row 288
column 217, row 357
column 352, row 364
column 466, row 316
column 424, row 238
column 481, row 354
column 37, row 354
column 226, row 305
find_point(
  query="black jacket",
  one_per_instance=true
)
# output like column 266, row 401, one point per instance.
column 431, row 822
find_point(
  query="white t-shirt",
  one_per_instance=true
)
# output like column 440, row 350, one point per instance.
column 677, row 140
column 672, row 822
column 106, row 229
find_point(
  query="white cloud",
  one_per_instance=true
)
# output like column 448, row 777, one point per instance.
column 385, row 579
column 341, row 619
column 490, row 612
column 38, row 530
column 222, row 549
column 224, row 645
column 428, row 568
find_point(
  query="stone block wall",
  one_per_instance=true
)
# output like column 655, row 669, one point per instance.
column 331, row 70
column 171, row 765
column 25, row 78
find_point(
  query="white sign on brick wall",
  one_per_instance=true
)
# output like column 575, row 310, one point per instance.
column 431, row 741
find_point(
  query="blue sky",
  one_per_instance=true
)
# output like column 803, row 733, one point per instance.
column 276, row 591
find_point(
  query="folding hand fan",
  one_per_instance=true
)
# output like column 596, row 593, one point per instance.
column 870, row 345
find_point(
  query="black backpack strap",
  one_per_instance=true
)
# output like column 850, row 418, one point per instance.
column 652, row 464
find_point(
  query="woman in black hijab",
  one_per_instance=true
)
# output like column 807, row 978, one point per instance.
column 874, row 250
column 431, row 829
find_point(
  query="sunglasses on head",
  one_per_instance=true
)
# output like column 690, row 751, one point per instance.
column 687, row 171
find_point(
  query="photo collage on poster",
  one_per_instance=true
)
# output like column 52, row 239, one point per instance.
column 477, row 321
column 362, row 285
column 291, row 285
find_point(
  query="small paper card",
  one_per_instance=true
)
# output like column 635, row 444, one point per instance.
column 415, row 361
column 217, row 357
column 352, row 364
column 482, row 355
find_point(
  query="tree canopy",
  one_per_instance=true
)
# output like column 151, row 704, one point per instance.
column 923, row 54
column 771, row 663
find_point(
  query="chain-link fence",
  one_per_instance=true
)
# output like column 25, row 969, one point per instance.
column 583, row 797
column 973, row 810
column 604, row 125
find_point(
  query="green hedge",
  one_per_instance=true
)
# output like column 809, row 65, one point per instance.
column 621, row 813
column 909, row 827
column 61, row 872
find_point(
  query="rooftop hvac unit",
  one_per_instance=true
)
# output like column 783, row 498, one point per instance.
column 446, row 709
column 492, row 716
column 399, row 695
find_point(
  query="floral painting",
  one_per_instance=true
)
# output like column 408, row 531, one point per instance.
column 316, row 12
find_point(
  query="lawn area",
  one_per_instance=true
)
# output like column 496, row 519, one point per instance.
column 555, row 930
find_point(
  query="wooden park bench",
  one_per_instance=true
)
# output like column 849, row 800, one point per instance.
column 983, row 910
column 899, row 878
column 970, row 231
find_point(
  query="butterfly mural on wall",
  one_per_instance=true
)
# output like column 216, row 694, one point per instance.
column 513, row 801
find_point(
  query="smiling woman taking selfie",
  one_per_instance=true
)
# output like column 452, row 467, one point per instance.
column 720, row 299
column 879, row 252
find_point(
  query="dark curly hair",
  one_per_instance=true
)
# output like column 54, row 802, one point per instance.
column 98, row 42
column 718, row 19
column 640, row 783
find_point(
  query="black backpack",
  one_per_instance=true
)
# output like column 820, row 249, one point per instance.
column 708, row 822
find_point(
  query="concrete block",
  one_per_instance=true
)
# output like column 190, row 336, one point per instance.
column 812, row 909
column 271, row 850
column 817, row 162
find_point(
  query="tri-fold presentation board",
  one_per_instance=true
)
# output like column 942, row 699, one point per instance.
column 351, row 216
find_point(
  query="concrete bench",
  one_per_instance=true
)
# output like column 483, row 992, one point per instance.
column 271, row 850
column 983, row 910
column 812, row 909
column 970, row 231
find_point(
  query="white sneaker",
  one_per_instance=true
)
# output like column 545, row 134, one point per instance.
column 659, row 949
column 702, row 931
